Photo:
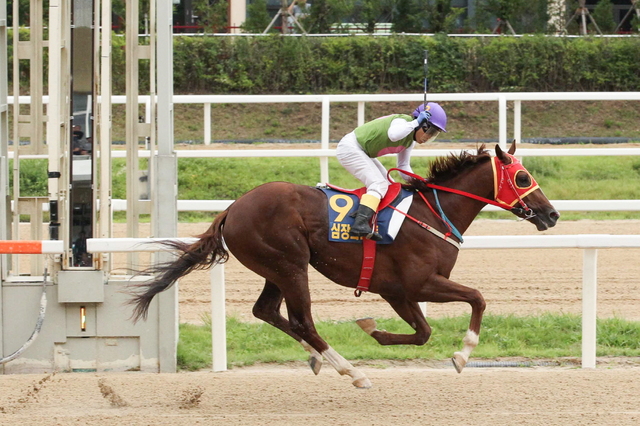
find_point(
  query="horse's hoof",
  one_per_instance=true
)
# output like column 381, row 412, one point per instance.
column 362, row 383
column 315, row 362
column 367, row 324
column 458, row 361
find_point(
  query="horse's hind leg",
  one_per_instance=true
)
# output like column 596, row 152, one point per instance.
column 408, row 311
column 267, row 308
column 298, row 301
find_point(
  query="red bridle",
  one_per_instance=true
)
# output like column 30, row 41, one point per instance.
column 505, row 187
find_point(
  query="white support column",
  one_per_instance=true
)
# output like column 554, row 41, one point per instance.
column 324, row 139
column 589, row 297
column 5, row 212
column 237, row 15
column 165, row 177
column 132, row 131
column 58, row 112
column 105, row 124
column 218, row 319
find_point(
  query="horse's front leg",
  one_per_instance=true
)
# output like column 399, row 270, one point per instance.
column 408, row 311
column 441, row 290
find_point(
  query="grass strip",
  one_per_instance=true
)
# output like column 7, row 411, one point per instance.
column 547, row 336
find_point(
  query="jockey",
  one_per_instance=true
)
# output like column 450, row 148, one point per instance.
column 392, row 134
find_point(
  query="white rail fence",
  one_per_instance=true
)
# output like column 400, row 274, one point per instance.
column 589, row 243
column 324, row 152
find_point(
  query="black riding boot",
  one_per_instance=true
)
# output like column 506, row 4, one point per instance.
column 362, row 224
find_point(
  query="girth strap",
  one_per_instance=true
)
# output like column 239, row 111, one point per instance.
column 368, row 260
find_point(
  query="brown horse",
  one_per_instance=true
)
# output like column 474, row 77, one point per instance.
column 279, row 228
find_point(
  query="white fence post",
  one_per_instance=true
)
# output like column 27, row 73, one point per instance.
column 589, row 297
column 517, row 120
column 360, row 113
column 588, row 242
column 324, row 142
column 207, row 123
column 502, row 121
column 423, row 308
column 218, row 319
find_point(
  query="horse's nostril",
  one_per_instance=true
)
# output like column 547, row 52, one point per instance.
column 554, row 215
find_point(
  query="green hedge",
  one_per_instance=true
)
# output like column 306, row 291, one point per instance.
column 364, row 64
column 394, row 64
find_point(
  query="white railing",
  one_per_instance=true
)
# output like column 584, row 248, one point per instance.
column 560, row 205
column 323, row 153
column 589, row 243
column 361, row 99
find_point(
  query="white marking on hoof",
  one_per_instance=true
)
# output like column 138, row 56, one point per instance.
column 315, row 359
column 458, row 361
column 362, row 383
column 343, row 367
column 460, row 358
column 367, row 324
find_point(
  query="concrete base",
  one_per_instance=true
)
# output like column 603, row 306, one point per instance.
column 81, row 336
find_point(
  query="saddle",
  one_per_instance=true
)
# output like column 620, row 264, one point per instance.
column 390, row 196
column 343, row 203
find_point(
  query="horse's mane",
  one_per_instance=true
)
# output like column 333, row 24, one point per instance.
column 444, row 168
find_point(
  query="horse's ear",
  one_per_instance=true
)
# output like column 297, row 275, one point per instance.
column 512, row 148
column 504, row 158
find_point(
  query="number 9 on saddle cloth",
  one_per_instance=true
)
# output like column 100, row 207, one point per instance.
column 343, row 203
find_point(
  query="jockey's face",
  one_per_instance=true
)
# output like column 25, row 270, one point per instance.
column 429, row 135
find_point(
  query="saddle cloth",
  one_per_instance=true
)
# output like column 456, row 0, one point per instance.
column 343, row 203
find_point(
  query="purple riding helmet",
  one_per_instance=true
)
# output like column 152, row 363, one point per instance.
column 436, row 122
column 438, row 116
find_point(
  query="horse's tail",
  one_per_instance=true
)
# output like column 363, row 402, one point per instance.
column 209, row 250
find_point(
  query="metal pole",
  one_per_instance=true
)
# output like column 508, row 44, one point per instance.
column 426, row 71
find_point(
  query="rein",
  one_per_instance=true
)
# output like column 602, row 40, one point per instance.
column 446, row 237
column 523, row 209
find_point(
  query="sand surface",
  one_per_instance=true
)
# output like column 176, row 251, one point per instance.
column 521, row 282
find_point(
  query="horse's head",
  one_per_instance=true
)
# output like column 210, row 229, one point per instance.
column 516, row 190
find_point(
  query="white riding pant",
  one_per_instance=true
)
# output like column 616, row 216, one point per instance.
column 366, row 169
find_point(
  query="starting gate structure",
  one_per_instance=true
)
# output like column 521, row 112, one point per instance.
column 86, row 323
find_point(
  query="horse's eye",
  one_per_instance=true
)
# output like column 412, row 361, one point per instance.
column 523, row 180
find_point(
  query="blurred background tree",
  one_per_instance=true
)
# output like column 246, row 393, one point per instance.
column 325, row 13
column 441, row 16
column 603, row 15
column 409, row 17
column 257, row 17
column 211, row 15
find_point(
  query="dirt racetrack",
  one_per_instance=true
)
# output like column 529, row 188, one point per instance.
column 519, row 281
column 293, row 396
